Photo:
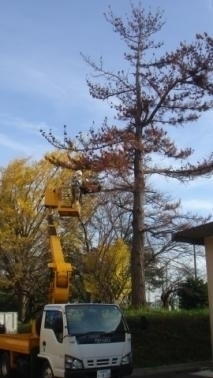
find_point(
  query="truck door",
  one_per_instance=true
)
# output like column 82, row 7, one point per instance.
column 51, row 340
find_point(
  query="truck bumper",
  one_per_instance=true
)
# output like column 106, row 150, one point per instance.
column 116, row 371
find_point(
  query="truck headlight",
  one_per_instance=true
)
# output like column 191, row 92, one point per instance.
column 73, row 363
column 127, row 359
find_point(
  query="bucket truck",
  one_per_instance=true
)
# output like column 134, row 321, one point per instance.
column 75, row 339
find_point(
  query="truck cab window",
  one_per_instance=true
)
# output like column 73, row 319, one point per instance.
column 54, row 321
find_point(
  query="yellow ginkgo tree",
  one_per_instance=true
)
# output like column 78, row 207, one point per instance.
column 23, row 241
column 107, row 273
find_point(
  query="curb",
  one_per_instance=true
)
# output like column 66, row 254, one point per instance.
column 191, row 366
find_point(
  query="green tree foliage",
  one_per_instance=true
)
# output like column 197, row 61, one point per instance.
column 7, row 301
column 151, row 94
column 193, row 293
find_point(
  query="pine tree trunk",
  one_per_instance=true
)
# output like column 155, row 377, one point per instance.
column 137, row 253
column 23, row 307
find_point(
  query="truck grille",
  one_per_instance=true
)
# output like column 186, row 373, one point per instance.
column 102, row 362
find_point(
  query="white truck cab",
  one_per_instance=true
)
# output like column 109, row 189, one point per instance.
column 80, row 339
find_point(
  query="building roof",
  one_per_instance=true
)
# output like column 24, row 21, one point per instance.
column 194, row 235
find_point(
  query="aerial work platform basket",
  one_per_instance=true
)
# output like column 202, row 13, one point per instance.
column 62, row 200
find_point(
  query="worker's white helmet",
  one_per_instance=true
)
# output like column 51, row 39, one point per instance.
column 78, row 173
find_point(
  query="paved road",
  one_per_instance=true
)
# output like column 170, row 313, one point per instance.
column 197, row 374
column 200, row 374
column 191, row 370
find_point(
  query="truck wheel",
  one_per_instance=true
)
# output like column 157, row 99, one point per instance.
column 4, row 365
column 46, row 371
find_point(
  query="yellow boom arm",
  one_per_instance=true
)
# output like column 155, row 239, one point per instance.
column 66, row 201
column 60, row 270
column 60, row 200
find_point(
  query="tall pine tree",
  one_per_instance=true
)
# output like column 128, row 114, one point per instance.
column 153, row 92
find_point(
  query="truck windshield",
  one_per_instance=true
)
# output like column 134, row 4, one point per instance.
column 91, row 318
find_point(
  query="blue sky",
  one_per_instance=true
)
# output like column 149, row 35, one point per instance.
column 43, row 77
